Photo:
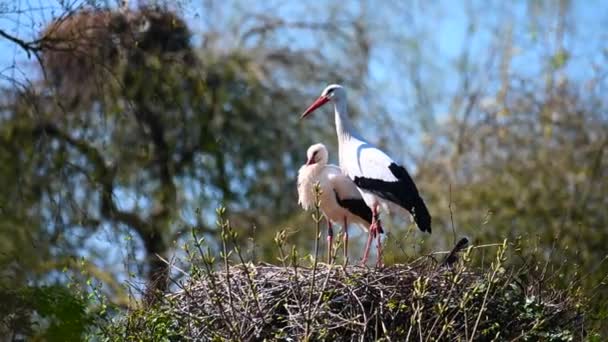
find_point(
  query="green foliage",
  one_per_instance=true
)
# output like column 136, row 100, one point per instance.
column 51, row 313
column 536, row 175
column 146, row 145
column 149, row 324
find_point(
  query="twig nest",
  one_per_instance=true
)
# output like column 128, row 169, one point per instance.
column 89, row 50
column 417, row 301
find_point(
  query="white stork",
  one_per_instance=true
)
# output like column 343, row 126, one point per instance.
column 340, row 200
column 381, row 181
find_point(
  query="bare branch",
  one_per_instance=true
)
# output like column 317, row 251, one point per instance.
column 29, row 47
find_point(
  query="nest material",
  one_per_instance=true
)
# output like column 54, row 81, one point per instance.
column 418, row 301
column 88, row 50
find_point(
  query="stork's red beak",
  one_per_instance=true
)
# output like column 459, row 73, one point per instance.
column 310, row 161
column 318, row 103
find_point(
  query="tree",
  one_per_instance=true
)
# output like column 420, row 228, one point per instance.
column 135, row 132
column 522, row 155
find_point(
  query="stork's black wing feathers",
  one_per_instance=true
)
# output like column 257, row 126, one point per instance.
column 402, row 192
column 356, row 206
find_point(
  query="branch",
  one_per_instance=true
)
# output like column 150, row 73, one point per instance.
column 105, row 178
column 269, row 24
column 28, row 47
column 149, row 231
column 163, row 161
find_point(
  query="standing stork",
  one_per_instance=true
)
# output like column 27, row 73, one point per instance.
column 340, row 200
column 381, row 181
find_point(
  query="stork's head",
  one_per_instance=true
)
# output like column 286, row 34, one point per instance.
column 316, row 154
column 333, row 92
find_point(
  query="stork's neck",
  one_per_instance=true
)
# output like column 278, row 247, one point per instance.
column 344, row 127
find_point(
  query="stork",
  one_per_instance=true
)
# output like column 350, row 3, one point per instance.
column 340, row 200
column 382, row 182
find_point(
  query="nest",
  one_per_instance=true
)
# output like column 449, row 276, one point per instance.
column 335, row 303
column 90, row 49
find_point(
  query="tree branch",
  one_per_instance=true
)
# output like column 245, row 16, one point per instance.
column 33, row 47
column 163, row 161
column 29, row 47
column 105, row 177
column 148, row 231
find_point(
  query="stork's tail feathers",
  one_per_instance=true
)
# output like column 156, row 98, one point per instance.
column 451, row 258
column 422, row 216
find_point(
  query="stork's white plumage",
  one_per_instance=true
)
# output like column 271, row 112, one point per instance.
column 340, row 200
column 381, row 181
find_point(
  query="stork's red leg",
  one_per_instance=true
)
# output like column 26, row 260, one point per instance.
column 345, row 241
column 371, row 235
column 367, row 245
column 330, row 240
